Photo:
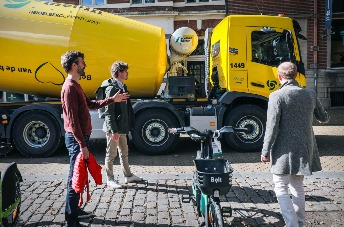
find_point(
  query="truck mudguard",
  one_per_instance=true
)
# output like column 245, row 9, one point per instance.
column 147, row 104
column 229, row 97
column 54, row 110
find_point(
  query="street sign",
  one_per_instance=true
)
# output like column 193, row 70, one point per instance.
column 328, row 14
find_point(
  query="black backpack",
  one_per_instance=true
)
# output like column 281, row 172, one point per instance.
column 100, row 95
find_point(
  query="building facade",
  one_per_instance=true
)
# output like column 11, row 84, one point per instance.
column 322, row 52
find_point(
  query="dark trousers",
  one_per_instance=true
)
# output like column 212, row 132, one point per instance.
column 72, row 198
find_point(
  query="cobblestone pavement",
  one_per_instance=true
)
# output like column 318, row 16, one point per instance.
column 160, row 200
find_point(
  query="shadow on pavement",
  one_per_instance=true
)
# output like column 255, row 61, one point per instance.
column 183, row 155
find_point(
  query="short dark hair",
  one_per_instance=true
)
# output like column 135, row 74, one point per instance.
column 69, row 58
column 118, row 66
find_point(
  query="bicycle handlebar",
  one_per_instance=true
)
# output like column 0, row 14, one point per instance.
column 196, row 134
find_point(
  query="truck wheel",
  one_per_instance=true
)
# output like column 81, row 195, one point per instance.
column 246, row 116
column 36, row 134
column 150, row 132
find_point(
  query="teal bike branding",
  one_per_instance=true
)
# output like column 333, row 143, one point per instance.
column 271, row 84
column 216, row 180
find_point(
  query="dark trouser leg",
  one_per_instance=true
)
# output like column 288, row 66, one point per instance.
column 72, row 198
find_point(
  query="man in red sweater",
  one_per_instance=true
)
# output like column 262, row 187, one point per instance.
column 77, row 124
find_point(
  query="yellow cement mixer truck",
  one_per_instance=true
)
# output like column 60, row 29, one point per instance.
column 242, row 53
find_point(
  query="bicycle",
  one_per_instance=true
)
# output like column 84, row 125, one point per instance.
column 10, row 195
column 212, row 178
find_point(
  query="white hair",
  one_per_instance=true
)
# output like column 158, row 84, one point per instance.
column 287, row 70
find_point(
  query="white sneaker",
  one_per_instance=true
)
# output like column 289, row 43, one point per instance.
column 132, row 178
column 113, row 184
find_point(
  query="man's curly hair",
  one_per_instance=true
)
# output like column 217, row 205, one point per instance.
column 69, row 58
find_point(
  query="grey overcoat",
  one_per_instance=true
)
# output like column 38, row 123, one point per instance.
column 289, row 136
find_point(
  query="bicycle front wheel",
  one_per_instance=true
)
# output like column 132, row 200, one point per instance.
column 215, row 212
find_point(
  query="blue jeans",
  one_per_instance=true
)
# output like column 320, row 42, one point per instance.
column 72, row 198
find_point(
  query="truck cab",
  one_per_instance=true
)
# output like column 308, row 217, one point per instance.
column 244, row 53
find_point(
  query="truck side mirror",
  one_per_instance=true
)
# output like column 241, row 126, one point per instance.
column 290, row 43
column 267, row 30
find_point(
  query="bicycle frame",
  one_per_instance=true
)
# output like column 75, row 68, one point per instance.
column 202, row 198
column 207, row 202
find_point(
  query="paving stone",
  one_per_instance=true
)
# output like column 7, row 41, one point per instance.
column 176, row 212
column 164, row 222
column 138, row 217
column 176, row 220
column 124, row 212
column 152, row 212
column 163, row 208
column 163, row 215
column 151, row 220
column 139, row 209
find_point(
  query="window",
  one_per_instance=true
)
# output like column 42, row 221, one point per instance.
column 93, row 2
column 143, row 1
column 337, row 34
column 200, row 48
column 271, row 48
column 196, row 1
column 197, row 70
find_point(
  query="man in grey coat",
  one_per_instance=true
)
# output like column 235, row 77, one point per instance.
column 290, row 141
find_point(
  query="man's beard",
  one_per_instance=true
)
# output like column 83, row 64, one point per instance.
column 81, row 71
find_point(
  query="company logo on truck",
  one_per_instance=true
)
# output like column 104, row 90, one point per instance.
column 44, row 72
column 185, row 39
column 233, row 51
column 14, row 4
column 271, row 84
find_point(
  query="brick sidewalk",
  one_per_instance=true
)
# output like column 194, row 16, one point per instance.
column 159, row 202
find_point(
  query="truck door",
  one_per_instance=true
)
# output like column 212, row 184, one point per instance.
column 266, row 49
column 196, row 69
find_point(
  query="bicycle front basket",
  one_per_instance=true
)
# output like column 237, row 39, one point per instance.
column 212, row 174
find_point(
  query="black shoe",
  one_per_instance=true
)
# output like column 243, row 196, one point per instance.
column 83, row 214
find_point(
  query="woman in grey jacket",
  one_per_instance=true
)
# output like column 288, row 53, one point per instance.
column 290, row 140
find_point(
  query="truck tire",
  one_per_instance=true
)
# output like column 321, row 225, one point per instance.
column 36, row 134
column 246, row 116
column 150, row 132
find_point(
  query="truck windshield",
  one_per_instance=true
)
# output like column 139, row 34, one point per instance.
column 272, row 48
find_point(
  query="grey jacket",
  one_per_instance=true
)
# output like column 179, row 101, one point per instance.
column 119, row 117
column 289, row 136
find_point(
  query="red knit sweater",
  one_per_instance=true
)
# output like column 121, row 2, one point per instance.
column 76, row 105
